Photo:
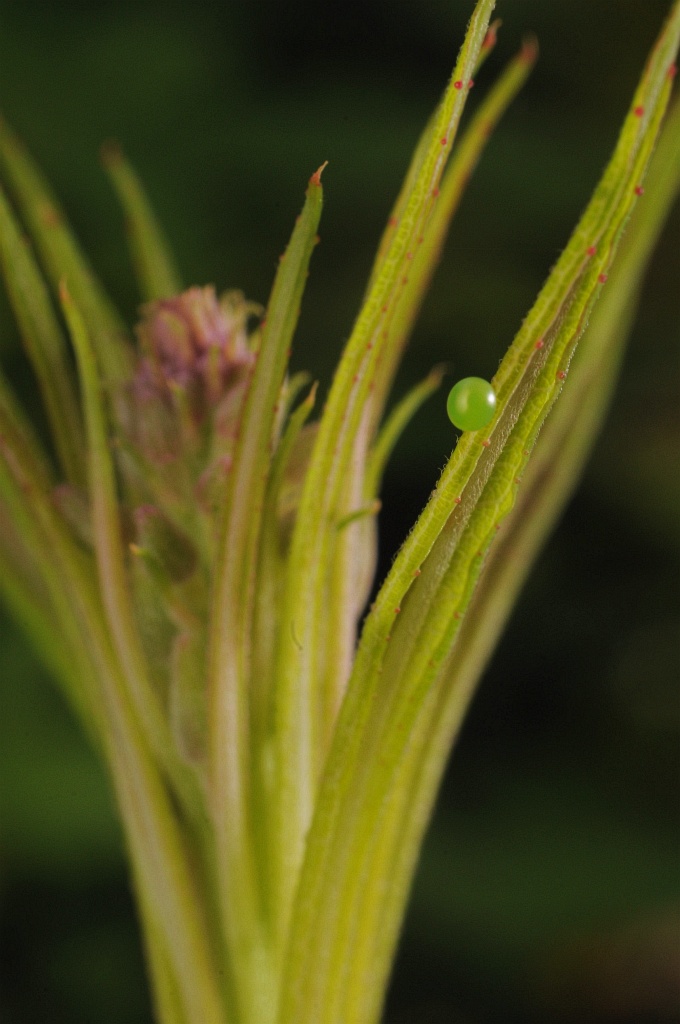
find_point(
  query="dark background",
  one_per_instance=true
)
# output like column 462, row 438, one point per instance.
column 548, row 888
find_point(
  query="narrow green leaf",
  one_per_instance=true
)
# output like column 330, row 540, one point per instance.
column 487, row 47
column 548, row 481
column 31, row 449
column 106, row 522
column 267, row 611
column 157, row 275
column 165, row 879
column 290, row 389
column 408, row 637
column 394, row 426
column 167, row 996
column 229, row 652
column 23, row 593
column 25, row 504
column 371, row 508
column 532, row 371
column 326, row 481
column 160, row 864
column 465, row 156
column 351, row 574
column 111, row 565
column 44, row 343
column 63, row 257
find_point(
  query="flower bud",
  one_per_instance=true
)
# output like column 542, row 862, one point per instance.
column 197, row 343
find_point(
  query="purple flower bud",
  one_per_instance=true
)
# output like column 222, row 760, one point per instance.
column 197, row 342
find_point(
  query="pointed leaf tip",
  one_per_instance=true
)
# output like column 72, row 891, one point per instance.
column 110, row 152
column 491, row 37
column 316, row 177
column 529, row 51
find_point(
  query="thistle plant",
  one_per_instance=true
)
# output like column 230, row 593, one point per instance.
column 192, row 551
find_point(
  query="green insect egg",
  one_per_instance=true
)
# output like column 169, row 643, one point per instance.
column 471, row 403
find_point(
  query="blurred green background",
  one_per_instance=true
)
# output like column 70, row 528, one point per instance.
column 549, row 886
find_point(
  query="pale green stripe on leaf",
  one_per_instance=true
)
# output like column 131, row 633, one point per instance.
column 322, row 493
column 266, row 619
column 295, row 423
column 270, row 560
column 62, row 256
column 233, row 601
column 44, row 343
column 157, row 275
column 382, row 710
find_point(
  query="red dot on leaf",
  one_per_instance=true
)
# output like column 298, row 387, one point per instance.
column 561, row 374
column 539, row 343
column 457, row 500
column 602, row 278
column 673, row 70
column 591, row 250
column 486, row 444
column 639, row 111
column 458, row 85
column 639, row 190
column 435, row 192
